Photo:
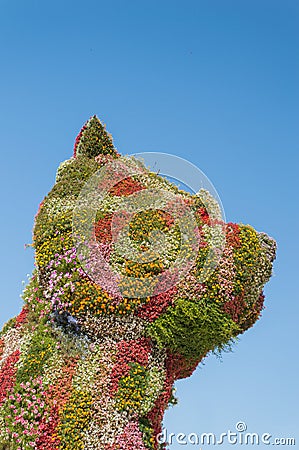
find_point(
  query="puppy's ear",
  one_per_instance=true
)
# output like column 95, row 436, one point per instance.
column 93, row 140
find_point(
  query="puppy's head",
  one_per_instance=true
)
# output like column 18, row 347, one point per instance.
column 115, row 240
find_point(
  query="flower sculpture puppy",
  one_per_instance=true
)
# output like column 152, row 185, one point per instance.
column 91, row 360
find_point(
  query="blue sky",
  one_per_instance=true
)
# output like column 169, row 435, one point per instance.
column 215, row 82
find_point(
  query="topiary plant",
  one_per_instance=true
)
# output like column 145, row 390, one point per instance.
column 126, row 298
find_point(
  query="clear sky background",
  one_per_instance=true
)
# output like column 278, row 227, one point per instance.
column 215, row 82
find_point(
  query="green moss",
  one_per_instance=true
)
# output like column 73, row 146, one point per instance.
column 193, row 329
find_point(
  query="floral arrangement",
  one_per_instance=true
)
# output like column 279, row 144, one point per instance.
column 89, row 366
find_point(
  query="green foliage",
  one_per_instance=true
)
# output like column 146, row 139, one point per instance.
column 50, row 226
column 55, row 215
column 57, row 245
column 36, row 303
column 23, row 410
column 132, row 388
column 147, row 433
column 253, row 267
column 173, row 400
column 40, row 350
column 75, row 419
column 193, row 329
column 94, row 140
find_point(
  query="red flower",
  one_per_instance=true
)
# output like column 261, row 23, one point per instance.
column 232, row 234
column 204, row 215
column 8, row 374
column 103, row 229
column 126, row 187
column 78, row 138
column 60, row 392
column 128, row 351
column 156, row 305
column 21, row 318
